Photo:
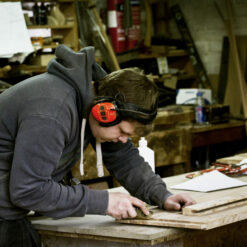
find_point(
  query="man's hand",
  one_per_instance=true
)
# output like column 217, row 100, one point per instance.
column 120, row 205
column 176, row 202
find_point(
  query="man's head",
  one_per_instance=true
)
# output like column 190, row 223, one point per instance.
column 134, row 97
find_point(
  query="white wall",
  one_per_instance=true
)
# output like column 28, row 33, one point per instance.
column 207, row 28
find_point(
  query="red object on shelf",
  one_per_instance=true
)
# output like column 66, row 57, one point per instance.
column 116, row 25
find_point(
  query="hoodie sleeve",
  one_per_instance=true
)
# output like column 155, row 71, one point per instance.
column 38, row 148
column 124, row 162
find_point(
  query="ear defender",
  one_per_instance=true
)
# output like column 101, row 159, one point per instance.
column 105, row 113
column 109, row 111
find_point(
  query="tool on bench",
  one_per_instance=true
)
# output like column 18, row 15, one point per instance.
column 227, row 169
column 141, row 216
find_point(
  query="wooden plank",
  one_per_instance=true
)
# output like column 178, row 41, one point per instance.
column 232, row 93
column 216, row 209
column 222, row 85
column 216, row 205
column 202, row 222
column 148, row 34
column 103, row 227
column 232, row 159
column 107, row 42
column 231, row 235
column 107, row 230
column 235, row 55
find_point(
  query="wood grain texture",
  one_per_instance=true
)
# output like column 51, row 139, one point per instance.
column 235, row 54
column 232, row 159
column 216, row 205
column 202, row 222
column 172, row 224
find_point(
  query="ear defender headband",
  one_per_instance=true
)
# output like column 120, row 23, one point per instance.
column 109, row 111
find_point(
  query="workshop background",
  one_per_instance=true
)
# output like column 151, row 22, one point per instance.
column 195, row 51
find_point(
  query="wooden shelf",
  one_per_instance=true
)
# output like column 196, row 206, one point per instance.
column 31, row 68
column 68, row 33
column 50, row 26
column 54, row 46
column 134, row 55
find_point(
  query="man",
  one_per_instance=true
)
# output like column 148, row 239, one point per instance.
column 46, row 120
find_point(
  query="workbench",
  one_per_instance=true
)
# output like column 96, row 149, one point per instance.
column 94, row 230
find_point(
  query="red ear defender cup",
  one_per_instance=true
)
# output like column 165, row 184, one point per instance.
column 109, row 111
column 104, row 112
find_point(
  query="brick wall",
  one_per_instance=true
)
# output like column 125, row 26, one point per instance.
column 207, row 28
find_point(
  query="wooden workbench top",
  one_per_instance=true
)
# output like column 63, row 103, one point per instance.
column 104, row 227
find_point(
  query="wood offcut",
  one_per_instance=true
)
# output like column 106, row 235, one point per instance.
column 205, row 215
column 216, row 205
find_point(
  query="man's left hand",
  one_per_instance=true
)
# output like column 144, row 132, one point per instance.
column 176, row 202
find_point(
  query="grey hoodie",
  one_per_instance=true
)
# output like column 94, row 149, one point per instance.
column 40, row 123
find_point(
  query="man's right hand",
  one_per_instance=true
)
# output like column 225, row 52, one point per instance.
column 121, row 205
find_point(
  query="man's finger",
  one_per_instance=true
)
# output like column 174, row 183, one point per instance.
column 125, row 215
column 186, row 200
column 173, row 205
column 132, row 212
column 140, row 204
column 188, row 203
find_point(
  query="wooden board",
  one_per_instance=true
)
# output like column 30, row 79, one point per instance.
column 214, row 218
column 233, row 159
column 202, row 222
column 105, row 228
column 235, row 54
column 216, row 205
column 233, row 93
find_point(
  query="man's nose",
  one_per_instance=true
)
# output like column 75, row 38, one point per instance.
column 123, row 139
